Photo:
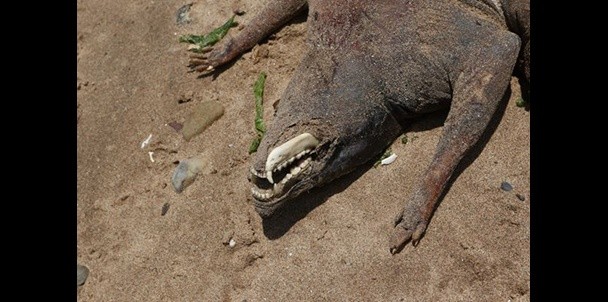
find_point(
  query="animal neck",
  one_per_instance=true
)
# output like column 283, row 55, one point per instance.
column 332, row 24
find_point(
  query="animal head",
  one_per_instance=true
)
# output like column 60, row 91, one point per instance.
column 325, row 126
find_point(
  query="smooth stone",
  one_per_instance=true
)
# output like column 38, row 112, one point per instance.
column 82, row 272
column 204, row 115
column 186, row 171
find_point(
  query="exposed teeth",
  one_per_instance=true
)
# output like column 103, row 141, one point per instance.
column 283, row 155
column 256, row 173
column 286, row 164
column 276, row 163
column 295, row 170
column 259, row 194
column 305, row 163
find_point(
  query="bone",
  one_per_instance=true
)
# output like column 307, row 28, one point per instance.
column 286, row 151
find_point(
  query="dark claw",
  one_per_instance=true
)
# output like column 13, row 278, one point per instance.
column 402, row 235
column 399, row 239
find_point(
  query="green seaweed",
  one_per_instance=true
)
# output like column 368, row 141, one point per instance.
column 520, row 102
column 260, row 127
column 202, row 41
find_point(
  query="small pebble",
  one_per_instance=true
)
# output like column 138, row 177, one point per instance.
column 520, row 197
column 187, row 170
column 238, row 12
column 506, row 186
column 182, row 16
column 82, row 272
column 165, row 209
column 231, row 243
column 176, row 126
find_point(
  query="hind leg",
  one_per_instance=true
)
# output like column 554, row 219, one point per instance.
column 478, row 90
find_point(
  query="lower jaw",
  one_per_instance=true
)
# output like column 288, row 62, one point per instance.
column 264, row 208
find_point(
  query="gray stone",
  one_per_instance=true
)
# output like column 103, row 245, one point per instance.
column 82, row 272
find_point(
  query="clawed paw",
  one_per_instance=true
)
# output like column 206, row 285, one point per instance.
column 406, row 230
column 201, row 62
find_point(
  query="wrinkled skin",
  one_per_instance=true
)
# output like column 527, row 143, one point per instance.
column 372, row 66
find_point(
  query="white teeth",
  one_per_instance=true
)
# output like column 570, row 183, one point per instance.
column 256, row 173
column 286, row 153
column 295, row 170
column 260, row 195
column 269, row 176
column 305, row 163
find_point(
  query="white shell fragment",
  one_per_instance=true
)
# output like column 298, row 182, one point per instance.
column 389, row 160
column 231, row 243
column 150, row 153
column 146, row 141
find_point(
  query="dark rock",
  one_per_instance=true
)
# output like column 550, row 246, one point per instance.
column 506, row 186
column 165, row 209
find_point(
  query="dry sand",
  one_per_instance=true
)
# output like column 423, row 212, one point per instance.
column 132, row 73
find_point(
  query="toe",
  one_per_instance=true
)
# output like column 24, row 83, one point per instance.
column 399, row 238
column 197, row 62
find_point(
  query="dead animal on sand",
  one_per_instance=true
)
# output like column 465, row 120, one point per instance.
column 370, row 68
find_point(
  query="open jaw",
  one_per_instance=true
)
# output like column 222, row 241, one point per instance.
column 286, row 165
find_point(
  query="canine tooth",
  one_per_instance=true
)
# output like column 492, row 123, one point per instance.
column 289, row 149
column 269, row 176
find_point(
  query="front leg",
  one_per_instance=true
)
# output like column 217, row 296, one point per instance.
column 478, row 90
column 271, row 18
